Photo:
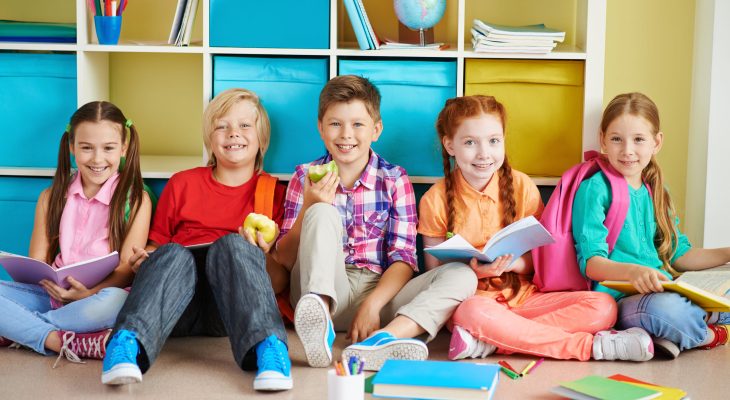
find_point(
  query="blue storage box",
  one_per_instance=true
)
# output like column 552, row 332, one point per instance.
column 18, row 197
column 289, row 90
column 289, row 24
column 413, row 93
column 37, row 98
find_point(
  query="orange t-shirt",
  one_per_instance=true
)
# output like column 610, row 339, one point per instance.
column 478, row 216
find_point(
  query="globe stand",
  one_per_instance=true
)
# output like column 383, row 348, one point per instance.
column 412, row 36
column 421, row 38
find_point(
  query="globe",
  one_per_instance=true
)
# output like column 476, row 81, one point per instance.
column 419, row 14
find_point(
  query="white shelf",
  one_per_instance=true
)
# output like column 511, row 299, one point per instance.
column 26, row 171
column 561, row 52
column 141, row 48
column 38, row 46
column 163, row 167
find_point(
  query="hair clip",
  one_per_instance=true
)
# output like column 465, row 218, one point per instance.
column 68, row 128
column 128, row 123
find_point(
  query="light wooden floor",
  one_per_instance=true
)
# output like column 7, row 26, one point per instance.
column 203, row 368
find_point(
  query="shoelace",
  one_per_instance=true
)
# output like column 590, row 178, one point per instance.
column 67, row 340
column 621, row 352
column 271, row 355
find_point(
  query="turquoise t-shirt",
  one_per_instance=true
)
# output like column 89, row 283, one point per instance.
column 635, row 243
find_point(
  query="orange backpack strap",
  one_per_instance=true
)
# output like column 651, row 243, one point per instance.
column 263, row 203
column 264, row 196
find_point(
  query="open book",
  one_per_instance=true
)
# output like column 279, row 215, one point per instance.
column 28, row 270
column 708, row 289
column 516, row 238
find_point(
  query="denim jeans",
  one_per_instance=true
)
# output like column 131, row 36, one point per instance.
column 26, row 315
column 223, row 290
column 666, row 315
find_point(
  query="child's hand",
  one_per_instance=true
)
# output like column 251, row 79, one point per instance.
column 77, row 291
column 365, row 322
column 646, row 280
column 322, row 191
column 259, row 240
column 137, row 258
column 489, row 270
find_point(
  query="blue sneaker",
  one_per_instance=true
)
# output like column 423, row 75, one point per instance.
column 272, row 358
column 120, row 362
column 314, row 326
column 384, row 346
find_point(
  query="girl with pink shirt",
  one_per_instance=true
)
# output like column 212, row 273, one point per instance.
column 479, row 195
column 87, row 213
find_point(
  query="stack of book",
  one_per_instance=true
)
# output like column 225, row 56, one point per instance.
column 182, row 24
column 532, row 39
column 23, row 31
column 616, row 387
column 366, row 38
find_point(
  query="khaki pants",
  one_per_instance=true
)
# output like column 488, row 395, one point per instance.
column 429, row 299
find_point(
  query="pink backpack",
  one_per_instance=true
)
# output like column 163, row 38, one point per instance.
column 556, row 265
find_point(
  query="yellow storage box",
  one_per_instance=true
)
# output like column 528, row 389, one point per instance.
column 544, row 103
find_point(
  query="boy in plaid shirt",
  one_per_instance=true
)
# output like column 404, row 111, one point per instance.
column 349, row 241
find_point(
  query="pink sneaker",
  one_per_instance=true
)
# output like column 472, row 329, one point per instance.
column 74, row 345
column 464, row 345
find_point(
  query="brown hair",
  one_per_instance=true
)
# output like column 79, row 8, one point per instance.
column 450, row 118
column 129, row 187
column 666, row 237
column 221, row 104
column 346, row 88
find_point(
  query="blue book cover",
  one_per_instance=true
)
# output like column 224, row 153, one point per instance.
column 357, row 24
column 436, row 380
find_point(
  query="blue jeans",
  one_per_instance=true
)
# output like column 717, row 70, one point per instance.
column 666, row 315
column 26, row 315
column 223, row 290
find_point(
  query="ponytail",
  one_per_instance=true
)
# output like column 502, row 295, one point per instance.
column 129, row 189
column 666, row 237
column 57, row 199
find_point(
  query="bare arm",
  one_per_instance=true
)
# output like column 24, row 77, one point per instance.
column 39, row 240
column 429, row 261
column 698, row 259
column 644, row 279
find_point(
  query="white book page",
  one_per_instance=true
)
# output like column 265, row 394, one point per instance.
column 716, row 280
column 176, row 21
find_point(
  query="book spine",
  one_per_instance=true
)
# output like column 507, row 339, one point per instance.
column 357, row 26
column 369, row 31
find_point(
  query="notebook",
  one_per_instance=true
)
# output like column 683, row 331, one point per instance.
column 436, row 380
column 667, row 393
column 28, row 270
column 599, row 388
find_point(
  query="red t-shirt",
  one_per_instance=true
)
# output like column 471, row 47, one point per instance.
column 194, row 208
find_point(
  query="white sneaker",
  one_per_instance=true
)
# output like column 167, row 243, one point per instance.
column 464, row 345
column 633, row 344
column 314, row 327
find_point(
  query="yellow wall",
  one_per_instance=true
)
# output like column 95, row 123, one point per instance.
column 40, row 11
column 649, row 49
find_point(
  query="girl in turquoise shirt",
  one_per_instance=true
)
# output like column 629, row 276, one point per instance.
column 650, row 247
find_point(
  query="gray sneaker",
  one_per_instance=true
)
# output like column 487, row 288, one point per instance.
column 633, row 344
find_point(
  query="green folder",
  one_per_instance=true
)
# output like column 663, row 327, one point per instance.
column 599, row 387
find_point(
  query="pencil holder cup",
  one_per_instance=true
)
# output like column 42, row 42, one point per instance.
column 347, row 387
column 108, row 28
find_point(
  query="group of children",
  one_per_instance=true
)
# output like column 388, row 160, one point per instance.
column 347, row 246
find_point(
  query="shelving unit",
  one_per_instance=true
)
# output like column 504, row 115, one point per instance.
column 164, row 89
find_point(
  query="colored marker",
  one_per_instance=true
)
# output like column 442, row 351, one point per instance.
column 509, row 367
column 534, row 367
column 527, row 368
column 509, row 372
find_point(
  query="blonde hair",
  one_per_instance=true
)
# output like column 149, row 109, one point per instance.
column 450, row 118
column 220, row 105
column 638, row 104
column 346, row 88
column 130, row 187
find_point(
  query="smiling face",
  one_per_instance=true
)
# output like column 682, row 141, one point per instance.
column 348, row 130
column 629, row 143
column 98, row 149
column 478, row 148
column 234, row 140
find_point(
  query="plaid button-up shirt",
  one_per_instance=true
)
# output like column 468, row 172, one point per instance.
column 378, row 214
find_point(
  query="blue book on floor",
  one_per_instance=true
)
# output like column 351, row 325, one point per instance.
column 436, row 380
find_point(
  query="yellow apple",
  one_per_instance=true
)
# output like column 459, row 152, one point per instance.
column 317, row 172
column 261, row 223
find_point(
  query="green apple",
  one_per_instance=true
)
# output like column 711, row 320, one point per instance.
column 261, row 223
column 317, row 172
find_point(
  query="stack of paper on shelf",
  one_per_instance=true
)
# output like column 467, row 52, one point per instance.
column 364, row 32
column 533, row 39
column 182, row 24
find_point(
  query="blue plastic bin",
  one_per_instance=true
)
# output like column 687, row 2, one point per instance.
column 289, row 24
column 37, row 98
column 413, row 93
column 18, row 197
column 289, row 90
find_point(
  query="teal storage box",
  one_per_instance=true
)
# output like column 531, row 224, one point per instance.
column 18, row 197
column 289, row 90
column 37, row 98
column 288, row 24
column 413, row 93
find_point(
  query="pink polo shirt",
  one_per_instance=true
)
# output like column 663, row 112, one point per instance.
column 84, row 229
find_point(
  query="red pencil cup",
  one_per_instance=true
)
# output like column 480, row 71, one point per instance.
column 108, row 28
